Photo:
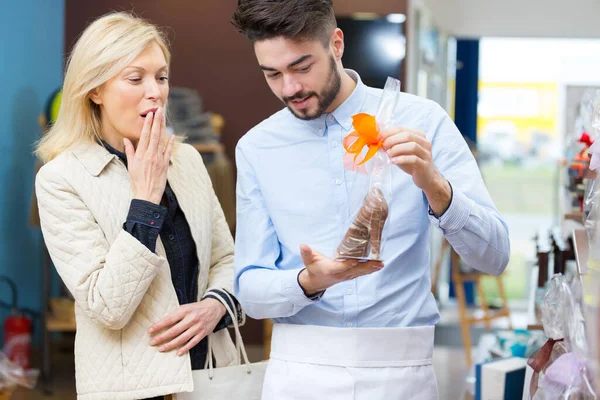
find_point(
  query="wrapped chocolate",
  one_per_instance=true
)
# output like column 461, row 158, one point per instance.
column 12, row 376
column 363, row 238
column 591, row 208
column 560, row 366
column 369, row 180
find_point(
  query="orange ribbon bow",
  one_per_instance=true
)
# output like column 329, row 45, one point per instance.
column 365, row 134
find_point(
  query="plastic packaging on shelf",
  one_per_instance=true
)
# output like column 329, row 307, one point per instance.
column 560, row 366
column 12, row 376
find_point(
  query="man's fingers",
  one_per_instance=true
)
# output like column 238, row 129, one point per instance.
column 409, row 149
column 387, row 133
column 408, row 162
column 362, row 269
column 341, row 266
column 307, row 254
column 406, row 137
column 390, row 132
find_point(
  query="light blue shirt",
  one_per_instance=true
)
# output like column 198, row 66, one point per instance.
column 293, row 189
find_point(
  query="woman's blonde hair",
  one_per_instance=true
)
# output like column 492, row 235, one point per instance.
column 105, row 48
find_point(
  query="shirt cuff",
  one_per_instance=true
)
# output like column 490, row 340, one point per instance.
column 235, row 307
column 313, row 297
column 294, row 292
column 147, row 213
column 456, row 216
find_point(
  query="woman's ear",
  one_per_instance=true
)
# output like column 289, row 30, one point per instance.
column 95, row 96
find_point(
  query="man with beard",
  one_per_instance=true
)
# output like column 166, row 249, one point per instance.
column 343, row 329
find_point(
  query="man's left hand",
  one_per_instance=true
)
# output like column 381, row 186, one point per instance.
column 187, row 326
column 410, row 150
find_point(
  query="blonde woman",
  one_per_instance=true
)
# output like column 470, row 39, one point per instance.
column 131, row 221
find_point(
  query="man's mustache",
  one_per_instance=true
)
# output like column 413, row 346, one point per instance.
column 299, row 96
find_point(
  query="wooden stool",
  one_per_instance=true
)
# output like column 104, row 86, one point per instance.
column 459, row 279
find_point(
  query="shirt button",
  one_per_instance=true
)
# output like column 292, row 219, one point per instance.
column 349, row 292
column 349, row 324
column 334, row 144
column 320, row 130
column 338, row 181
column 331, row 118
column 171, row 237
column 156, row 215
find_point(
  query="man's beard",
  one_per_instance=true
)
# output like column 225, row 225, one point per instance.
column 324, row 99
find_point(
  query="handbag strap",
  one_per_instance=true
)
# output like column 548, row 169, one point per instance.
column 239, row 343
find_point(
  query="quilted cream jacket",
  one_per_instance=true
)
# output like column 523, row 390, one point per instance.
column 120, row 287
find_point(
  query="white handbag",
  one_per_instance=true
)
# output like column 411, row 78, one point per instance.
column 244, row 381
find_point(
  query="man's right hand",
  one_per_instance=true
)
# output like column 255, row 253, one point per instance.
column 321, row 272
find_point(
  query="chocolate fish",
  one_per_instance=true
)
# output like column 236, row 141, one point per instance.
column 364, row 235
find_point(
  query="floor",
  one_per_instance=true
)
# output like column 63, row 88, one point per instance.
column 449, row 362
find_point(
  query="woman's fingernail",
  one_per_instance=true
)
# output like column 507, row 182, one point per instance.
column 161, row 348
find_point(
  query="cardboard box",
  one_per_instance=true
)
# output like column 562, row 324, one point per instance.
column 503, row 379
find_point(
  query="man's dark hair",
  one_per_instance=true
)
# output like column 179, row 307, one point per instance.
column 298, row 20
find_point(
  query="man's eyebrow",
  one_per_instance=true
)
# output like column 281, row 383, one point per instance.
column 290, row 65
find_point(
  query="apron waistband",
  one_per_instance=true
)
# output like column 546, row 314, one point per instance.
column 353, row 347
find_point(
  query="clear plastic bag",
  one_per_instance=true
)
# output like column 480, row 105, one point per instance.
column 591, row 223
column 12, row 375
column 590, row 198
column 564, row 380
column 592, row 126
column 554, row 328
column 565, row 373
column 370, row 181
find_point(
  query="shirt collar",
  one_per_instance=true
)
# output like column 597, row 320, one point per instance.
column 343, row 114
column 114, row 151
column 93, row 156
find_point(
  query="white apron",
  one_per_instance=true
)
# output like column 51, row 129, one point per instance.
column 315, row 362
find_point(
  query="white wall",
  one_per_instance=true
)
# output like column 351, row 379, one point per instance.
column 517, row 18
column 568, row 61
column 379, row 7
